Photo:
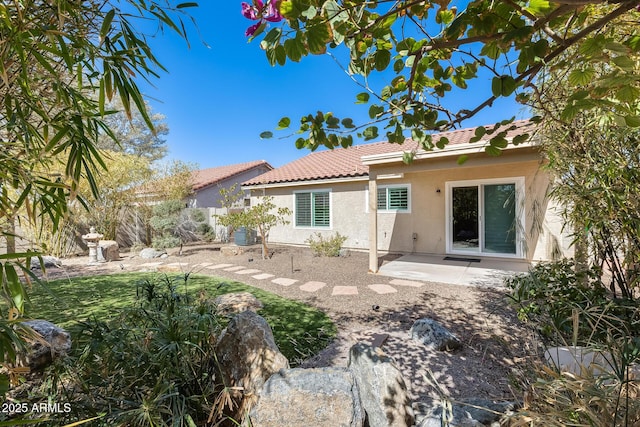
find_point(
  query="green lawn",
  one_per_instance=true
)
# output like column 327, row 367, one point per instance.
column 299, row 330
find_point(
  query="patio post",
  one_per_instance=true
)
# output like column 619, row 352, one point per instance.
column 373, row 223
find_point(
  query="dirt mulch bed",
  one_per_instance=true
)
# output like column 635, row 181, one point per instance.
column 496, row 345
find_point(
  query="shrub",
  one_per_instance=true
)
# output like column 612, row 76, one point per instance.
column 154, row 364
column 326, row 247
column 550, row 295
column 576, row 308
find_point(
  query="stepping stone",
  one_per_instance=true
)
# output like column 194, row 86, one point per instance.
column 403, row 282
column 284, row 281
column 382, row 289
column 235, row 268
column 345, row 290
column 312, row 286
column 203, row 264
column 151, row 264
column 248, row 271
column 217, row 266
column 178, row 264
column 263, row 276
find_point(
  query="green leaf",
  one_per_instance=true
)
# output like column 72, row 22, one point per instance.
column 492, row 151
column 624, row 62
column 284, row 123
column 375, row 110
column 398, row 65
column 508, row 85
column 295, row 49
column 499, row 142
column 442, row 142
column 632, row 121
column 382, row 59
column 348, row 123
column 310, row 13
column 301, row 143
column 266, row 135
column 186, row 5
column 520, row 139
column 370, row 133
column 318, row 35
column 462, row 159
column 496, row 86
column 581, row 77
column 106, row 24
column 539, row 7
column 362, row 98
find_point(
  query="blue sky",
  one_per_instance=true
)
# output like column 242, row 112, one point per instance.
column 217, row 99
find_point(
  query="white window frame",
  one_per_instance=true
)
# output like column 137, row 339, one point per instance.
column 519, row 182
column 314, row 227
column 386, row 187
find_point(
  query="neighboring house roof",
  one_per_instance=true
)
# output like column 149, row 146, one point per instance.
column 207, row 177
column 348, row 162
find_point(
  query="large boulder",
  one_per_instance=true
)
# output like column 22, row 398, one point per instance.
column 248, row 356
column 108, row 250
column 237, row 302
column 150, row 253
column 383, row 391
column 474, row 412
column 49, row 343
column 433, row 335
column 321, row 397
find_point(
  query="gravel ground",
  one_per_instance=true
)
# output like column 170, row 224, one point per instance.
column 496, row 345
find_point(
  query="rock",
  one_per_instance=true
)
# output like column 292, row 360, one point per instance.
column 434, row 335
column 465, row 413
column 383, row 391
column 231, row 250
column 109, row 250
column 47, row 260
column 321, row 397
column 237, row 302
column 248, row 355
column 55, row 342
column 344, row 253
column 149, row 253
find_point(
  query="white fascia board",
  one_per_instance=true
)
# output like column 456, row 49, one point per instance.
column 450, row 151
column 305, row 183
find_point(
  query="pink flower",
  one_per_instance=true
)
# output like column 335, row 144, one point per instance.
column 258, row 12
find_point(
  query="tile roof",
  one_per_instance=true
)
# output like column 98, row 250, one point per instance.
column 347, row 162
column 206, row 177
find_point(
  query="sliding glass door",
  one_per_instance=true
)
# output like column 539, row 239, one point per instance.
column 483, row 217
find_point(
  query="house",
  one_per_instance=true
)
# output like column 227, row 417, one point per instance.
column 483, row 207
column 207, row 183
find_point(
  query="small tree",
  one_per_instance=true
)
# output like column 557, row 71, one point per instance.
column 260, row 217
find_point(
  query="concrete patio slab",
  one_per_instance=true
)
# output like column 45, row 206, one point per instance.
column 434, row 268
column 312, row 286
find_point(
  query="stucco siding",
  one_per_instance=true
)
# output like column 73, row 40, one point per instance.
column 424, row 229
column 209, row 197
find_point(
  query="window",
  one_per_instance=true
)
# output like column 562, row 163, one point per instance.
column 393, row 198
column 312, row 209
